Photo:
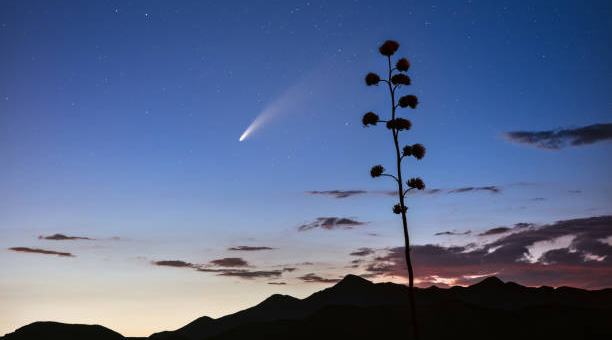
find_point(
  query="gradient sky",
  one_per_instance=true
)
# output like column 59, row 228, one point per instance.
column 119, row 122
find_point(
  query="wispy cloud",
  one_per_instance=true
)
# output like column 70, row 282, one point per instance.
column 561, row 138
column 452, row 233
column 62, row 237
column 249, row 248
column 503, row 230
column 174, row 263
column 40, row 251
column 338, row 193
column 492, row 189
column 230, row 262
column 247, row 274
column 330, row 223
column 224, row 267
column 314, row 278
column 363, row 252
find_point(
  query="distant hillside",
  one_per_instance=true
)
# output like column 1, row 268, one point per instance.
column 356, row 308
column 60, row 331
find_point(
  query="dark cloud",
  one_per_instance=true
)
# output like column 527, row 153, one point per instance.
column 313, row 278
column 277, row 283
column 289, row 269
column 330, row 223
column 40, row 251
column 575, row 191
column 495, row 231
column 363, row 252
column 503, row 230
column 249, row 248
column 452, row 233
column 538, row 199
column 174, row 263
column 62, row 237
column 561, row 138
column 492, row 189
column 247, row 274
column 338, row 193
column 586, row 262
column 393, row 193
column 230, row 262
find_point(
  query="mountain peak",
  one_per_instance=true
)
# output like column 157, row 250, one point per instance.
column 278, row 299
column 491, row 281
column 353, row 281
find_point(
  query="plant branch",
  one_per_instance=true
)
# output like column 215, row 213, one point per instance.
column 389, row 175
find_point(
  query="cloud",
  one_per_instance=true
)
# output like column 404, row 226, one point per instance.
column 277, row 283
column 313, row 278
column 330, row 223
column 231, row 271
column 363, row 252
column 495, row 231
column 247, row 274
column 40, row 251
column 230, row 262
column 289, row 269
column 248, row 248
column 452, row 233
column 62, row 237
column 175, row 263
column 561, row 138
column 503, row 230
column 492, row 189
column 338, row 193
column 586, row 262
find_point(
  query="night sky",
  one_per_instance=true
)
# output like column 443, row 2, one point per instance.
column 128, row 200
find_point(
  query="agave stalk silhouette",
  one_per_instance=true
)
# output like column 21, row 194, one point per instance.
column 396, row 80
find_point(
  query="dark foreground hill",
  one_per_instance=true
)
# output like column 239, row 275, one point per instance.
column 61, row 331
column 356, row 308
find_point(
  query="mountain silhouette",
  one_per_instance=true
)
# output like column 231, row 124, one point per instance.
column 356, row 308
column 61, row 331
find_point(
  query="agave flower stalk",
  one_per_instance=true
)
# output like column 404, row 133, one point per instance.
column 397, row 79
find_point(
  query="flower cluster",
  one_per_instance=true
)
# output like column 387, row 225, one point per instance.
column 402, row 65
column 372, row 79
column 388, row 48
column 417, row 150
column 416, row 183
column 369, row 118
column 400, row 79
column 399, row 124
column 376, row 171
column 409, row 100
column 397, row 209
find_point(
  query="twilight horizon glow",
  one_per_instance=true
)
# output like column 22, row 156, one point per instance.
column 123, row 186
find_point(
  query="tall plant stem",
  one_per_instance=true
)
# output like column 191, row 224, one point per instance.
column 400, row 189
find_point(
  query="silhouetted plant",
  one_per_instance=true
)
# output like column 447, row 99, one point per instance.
column 396, row 124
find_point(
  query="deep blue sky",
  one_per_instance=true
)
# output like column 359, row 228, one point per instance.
column 122, row 119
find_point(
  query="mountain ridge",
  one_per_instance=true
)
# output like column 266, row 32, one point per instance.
column 286, row 316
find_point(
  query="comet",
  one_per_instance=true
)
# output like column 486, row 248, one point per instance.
column 288, row 101
column 264, row 116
